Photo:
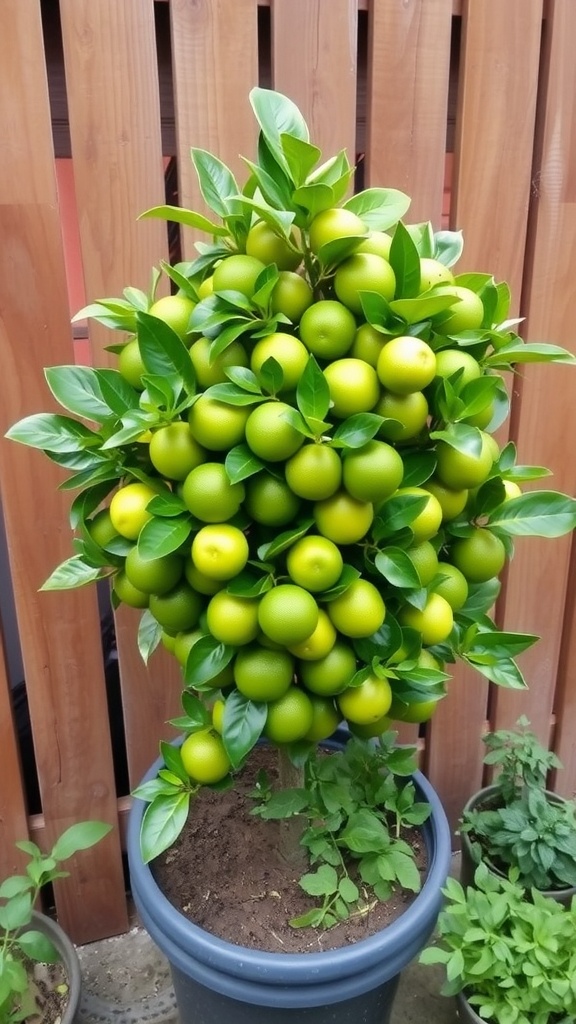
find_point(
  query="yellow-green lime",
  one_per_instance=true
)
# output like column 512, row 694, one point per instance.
column 270, row 501
column 314, row 472
column 289, row 353
column 220, row 551
column 177, row 610
column 366, row 703
column 291, row 296
column 334, row 223
column 174, row 310
column 212, row 370
column 290, row 717
column 434, row 621
column 354, row 386
column 237, row 273
column 174, row 452
column 406, row 364
column 368, row 344
column 325, row 719
column 263, row 674
column 314, row 563
column 453, row 587
column 204, row 758
column 217, row 425
column 209, row 495
column 480, row 556
column 287, row 614
column 153, row 575
column 231, row 619
column 331, row 674
column 372, row 472
column 404, row 415
column 359, row 611
column 126, row 592
column 128, row 509
column 269, row 247
column 319, row 643
column 342, row 518
column 451, row 502
column 327, row 328
column 270, row 434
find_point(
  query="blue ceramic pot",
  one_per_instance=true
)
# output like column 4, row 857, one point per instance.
column 218, row 981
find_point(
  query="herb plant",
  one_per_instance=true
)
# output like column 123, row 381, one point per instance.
column 17, row 895
column 513, row 957
column 355, row 809
column 524, row 826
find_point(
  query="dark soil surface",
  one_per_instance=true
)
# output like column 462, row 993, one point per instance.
column 225, row 874
column 47, row 993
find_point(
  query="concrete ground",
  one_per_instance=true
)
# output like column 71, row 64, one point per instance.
column 127, row 981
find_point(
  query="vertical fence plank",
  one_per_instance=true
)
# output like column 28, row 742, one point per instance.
column 546, row 418
column 215, row 65
column 62, row 662
column 314, row 62
column 407, row 104
column 500, row 53
column 113, row 100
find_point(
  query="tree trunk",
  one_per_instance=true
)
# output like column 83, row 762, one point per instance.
column 290, row 850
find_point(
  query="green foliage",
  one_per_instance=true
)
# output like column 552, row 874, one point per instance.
column 524, row 826
column 513, row 957
column 17, row 897
column 356, row 804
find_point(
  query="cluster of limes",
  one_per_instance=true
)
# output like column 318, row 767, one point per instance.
column 296, row 643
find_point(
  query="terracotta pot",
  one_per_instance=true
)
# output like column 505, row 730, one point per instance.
column 218, row 981
column 468, row 862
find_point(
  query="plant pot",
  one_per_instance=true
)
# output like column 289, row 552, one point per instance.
column 69, row 958
column 216, row 980
column 465, row 1011
column 469, row 864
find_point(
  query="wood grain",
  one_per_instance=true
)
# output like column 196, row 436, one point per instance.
column 13, row 817
column 407, row 104
column 59, row 632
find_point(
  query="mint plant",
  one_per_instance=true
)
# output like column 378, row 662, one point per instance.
column 520, row 759
column 18, row 894
column 355, row 810
column 513, row 956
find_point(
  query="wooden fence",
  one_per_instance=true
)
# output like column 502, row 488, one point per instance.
column 483, row 88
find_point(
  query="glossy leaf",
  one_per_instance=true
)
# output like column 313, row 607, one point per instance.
column 189, row 218
column 379, row 208
column 52, row 433
column 205, row 660
column 163, row 535
column 217, row 183
column 162, row 823
column 72, row 573
column 149, row 635
column 162, row 351
column 76, row 388
column 405, row 263
column 536, row 514
column 242, row 725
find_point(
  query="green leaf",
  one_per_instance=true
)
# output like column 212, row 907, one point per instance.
column 77, row 389
column 500, row 644
column 241, row 463
column 346, row 578
column 514, row 352
column 271, row 376
column 242, row 725
column 505, row 673
column 74, row 572
column 284, row 804
column 277, row 116
column 314, row 197
column 323, row 882
column 243, row 378
column 173, row 760
column 421, row 308
column 149, row 635
column 166, row 504
column 379, row 208
column 81, row 836
column 160, row 537
column 284, row 540
column 16, row 912
column 51, row 433
column 406, row 871
column 536, row 514
column 301, row 156
column 162, row 823
column 448, row 246
column 162, row 351
column 217, row 183
column 206, row 659
column 333, row 252
column 462, row 437
column 357, row 430
column 233, row 394
column 14, row 885
column 187, row 217
column 37, row 946
column 118, row 394
column 397, row 567
column 423, row 237
column 400, row 510
column 313, row 392
column 248, row 584
column 405, row 263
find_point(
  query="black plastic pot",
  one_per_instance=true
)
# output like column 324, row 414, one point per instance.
column 69, row 957
column 466, row 1012
column 468, row 863
column 217, row 981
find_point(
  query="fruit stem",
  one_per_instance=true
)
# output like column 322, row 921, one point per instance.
column 290, row 849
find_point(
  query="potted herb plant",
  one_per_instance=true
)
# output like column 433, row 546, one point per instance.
column 509, row 959
column 311, row 510
column 30, row 938
column 517, row 822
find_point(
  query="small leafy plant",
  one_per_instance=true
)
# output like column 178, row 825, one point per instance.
column 18, row 894
column 514, row 958
column 356, row 810
column 524, row 826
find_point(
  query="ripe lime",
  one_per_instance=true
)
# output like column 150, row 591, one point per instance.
column 288, row 614
column 314, row 472
column 198, row 581
column 432, row 272
column 130, row 364
column 101, row 528
column 290, row 717
column 466, row 314
column 128, row 509
column 237, row 273
column 319, row 643
column 184, row 642
column 406, row 364
column 216, row 425
column 327, row 328
column 209, row 495
column 371, row 729
column 218, row 716
column 127, row 592
column 427, row 522
column 366, row 703
column 359, row 611
column 480, row 556
column 460, row 470
column 268, row 247
column 177, row 610
column 454, row 360
column 287, row 350
column 425, row 560
column 334, row 223
column 331, row 674
column 416, row 711
column 206, row 287
column 152, row 575
column 342, row 518
column 511, row 490
column 174, row 451
column 314, row 563
column 368, row 344
column 220, row 551
column 174, row 310
column 434, row 621
column 377, row 242
column 262, row 674
column 231, row 619
column 363, row 272
column 405, row 415
column 270, row 501
column 325, row 719
column 204, row 758
column 269, row 433
column 451, row 502
column 454, row 587
column 373, row 472
column 210, row 371
column 354, row 387
column 291, row 296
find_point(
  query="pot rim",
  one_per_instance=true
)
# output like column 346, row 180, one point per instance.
column 69, row 956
